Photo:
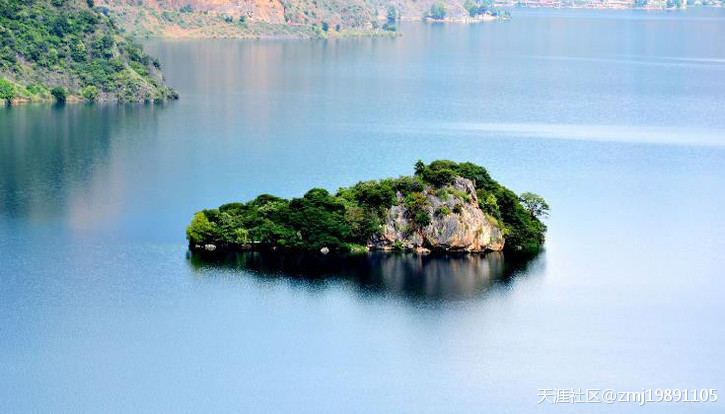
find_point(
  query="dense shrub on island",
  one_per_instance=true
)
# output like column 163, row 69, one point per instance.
column 445, row 206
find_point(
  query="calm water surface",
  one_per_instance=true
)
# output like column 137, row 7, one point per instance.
column 617, row 118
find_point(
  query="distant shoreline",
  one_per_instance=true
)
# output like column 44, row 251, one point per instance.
column 172, row 24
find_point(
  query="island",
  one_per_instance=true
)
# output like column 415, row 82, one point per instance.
column 443, row 207
column 68, row 50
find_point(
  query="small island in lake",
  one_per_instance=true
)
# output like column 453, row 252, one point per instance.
column 444, row 207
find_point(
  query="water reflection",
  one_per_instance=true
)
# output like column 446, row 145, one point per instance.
column 53, row 156
column 429, row 277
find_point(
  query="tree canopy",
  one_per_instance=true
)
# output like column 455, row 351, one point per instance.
column 437, row 11
column 535, row 204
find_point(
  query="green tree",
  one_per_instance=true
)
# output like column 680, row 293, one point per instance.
column 7, row 90
column 241, row 236
column 488, row 204
column 90, row 93
column 419, row 167
column 325, row 26
column 535, row 204
column 437, row 11
column 59, row 94
column 374, row 194
column 439, row 173
column 471, row 7
column 320, row 219
column 200, row 229
column 389, row 27
column 79, row 52
column 417, row 206
column 392, row 14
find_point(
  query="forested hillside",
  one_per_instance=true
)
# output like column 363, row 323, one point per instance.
column 68, row 50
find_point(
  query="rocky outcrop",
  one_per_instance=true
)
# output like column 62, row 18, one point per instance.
column 457, row 223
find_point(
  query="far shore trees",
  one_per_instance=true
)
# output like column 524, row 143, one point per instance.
column 478, row 7
column 437, row 11
column 391, row 18
column 392, row 14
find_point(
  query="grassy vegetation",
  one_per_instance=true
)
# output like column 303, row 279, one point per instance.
column 350, row 217
column 67, row 49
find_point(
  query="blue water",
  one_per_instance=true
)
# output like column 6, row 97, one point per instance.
column 616, row 118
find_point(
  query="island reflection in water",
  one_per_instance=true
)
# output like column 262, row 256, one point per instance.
column 426, row 277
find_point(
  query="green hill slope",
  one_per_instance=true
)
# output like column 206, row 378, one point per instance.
column 66, row 49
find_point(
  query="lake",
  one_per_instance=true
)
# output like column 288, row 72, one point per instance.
column 616, row 117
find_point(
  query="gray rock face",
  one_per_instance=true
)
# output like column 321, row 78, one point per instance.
column 457, row 224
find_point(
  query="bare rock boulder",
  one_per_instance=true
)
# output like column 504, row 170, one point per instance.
column 457, row 224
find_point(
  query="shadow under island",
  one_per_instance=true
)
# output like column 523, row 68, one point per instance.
column 437, row 277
